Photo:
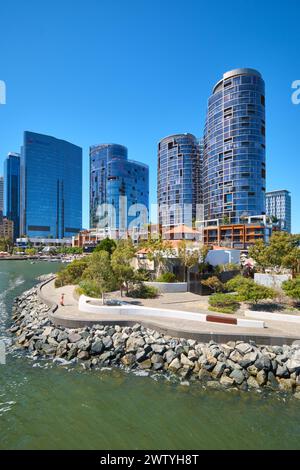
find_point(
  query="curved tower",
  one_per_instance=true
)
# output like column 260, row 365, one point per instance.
column 234, row 168
column 178, row 180
column 120, row 184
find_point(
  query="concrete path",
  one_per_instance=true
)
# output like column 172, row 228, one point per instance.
column 69, row 316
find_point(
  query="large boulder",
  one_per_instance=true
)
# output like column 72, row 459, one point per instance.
column 97, row 346
column 237, row 376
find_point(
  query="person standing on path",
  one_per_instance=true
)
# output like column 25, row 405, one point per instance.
column 62, row 300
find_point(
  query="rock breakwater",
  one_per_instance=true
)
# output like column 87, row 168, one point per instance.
column 235, row 364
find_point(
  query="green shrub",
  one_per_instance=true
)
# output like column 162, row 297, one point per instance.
column 238, row 281
column 214, row 284
column 292, row 288
column 166, row 277
column 143, row 292
column 143, row 274
column 224, row 303
column 253, row 293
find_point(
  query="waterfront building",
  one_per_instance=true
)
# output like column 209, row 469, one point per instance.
column 179, row 188
column 239, row 236
column 234, row 168
column 12, row 190
column 6, row 229
column 278, row 208
column 51, row 187
column 1, row 195
column 119, row 190
column 40, row 243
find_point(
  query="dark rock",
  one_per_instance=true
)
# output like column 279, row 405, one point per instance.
column 141, row 356
column 97, row 347
column 263, row 362
column 272, row 382
column 107, row 342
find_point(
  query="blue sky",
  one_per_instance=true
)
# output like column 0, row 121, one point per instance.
column 134, row 71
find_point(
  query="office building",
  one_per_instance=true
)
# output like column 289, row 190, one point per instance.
column 278, row 208
column 1, row 195
column 12, row 190
column 119, row 190
column 51, row 187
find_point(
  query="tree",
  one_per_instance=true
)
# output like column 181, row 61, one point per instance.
column 292, row 261
column 292, row 288
column 107, row 244
column 159, row 250
column 99, row 270
column 6, row 244
column 187, row 256
column 259, row 253
column 225, row 220
column 31, row 251
column 282, row 251
column 71, row 274
column 120, row 261
column 214, row 284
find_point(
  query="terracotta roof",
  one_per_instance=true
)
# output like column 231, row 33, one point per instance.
column 182, row 229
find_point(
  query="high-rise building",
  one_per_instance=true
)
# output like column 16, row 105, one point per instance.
column 278, row 207
column 119, row 189
column 234, row 169
column 12, row 190
column 51, row 187
column 179, row 180
column 1, row 195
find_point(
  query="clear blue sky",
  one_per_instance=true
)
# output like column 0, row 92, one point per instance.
column 133, row 71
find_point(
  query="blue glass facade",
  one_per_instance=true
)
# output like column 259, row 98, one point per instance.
column 119, row 183
column 279, row 208
column 179, row 173
column 234, row 170
column 12, row 190
column 51, row 182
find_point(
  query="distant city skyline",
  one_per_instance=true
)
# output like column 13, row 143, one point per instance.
column 139, row 107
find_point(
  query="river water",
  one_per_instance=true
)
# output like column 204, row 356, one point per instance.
column 46, row 406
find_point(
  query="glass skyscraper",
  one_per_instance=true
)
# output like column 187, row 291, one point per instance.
column 234, row 169
column 179, row 174
column 119, row 188
column 278, row 207
column 12, row 190
column 1, row 195
column 51, row 187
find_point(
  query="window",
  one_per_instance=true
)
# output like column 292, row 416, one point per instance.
column 262, row 100
column 228, row 198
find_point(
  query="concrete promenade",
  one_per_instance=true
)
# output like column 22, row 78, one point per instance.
column 276, row 332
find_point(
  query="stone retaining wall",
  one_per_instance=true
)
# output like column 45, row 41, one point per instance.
column 236, row 364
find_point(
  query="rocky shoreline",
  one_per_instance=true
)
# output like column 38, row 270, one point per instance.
column 236, row 365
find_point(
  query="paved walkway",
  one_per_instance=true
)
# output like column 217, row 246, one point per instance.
column 275, row 332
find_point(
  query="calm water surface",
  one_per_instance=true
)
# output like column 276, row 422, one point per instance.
column 46, row 406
